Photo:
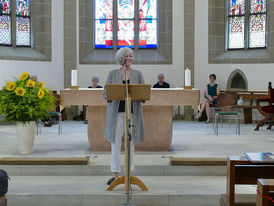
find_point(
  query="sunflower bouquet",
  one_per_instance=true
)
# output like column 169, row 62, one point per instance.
column 25, row 100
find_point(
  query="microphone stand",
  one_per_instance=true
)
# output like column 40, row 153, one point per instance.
column 128, row 139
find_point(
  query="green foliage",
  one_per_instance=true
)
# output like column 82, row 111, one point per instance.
column 25, row 100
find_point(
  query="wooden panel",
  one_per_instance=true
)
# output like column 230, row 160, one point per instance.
column 3, row 201
column 161, row 97
column 43, row 161
column 176, row 161
column 248, row 174
column 158, row 130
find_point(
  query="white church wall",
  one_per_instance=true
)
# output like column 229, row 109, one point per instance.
column 52, row 73
column 258, row 75
column 173, row 72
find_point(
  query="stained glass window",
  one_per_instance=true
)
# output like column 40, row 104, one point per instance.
column 125, row 9
column 236, row 7
column 104, row 24
column 22, row 19
column 22, row 22
column 257, row 24
column 124, row 25
column 246, row 24
column 5, row 22
column 147, row 24
column 236, row 33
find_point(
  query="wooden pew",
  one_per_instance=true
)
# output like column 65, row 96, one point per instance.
column 264, row 196
column 241, row 171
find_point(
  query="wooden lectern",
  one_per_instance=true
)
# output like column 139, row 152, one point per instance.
column 136, row 92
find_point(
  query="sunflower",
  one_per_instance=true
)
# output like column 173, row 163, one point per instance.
column 30, row 83
column 41, row 85
column 10, row 86
column 46, row 90
column 20, row 91
column 41, row 94
column 24, row 76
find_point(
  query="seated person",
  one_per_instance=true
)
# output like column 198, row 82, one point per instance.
column 161, row 83
column 95, row 81
column 212, row 92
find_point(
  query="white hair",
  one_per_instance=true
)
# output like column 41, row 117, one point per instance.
column 95, row 78
column 160, row 73
column 121, row 53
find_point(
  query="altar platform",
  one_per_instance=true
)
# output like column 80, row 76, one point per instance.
column 168, row 185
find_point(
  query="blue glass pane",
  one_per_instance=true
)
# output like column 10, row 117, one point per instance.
column 5, row 30
column 104, row 9
column 23, row 7
column 148, row 9
column 22, row 31
column 103, row 34
column 125, row 9
column 5, row 7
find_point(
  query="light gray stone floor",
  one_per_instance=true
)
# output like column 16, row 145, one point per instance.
column 189, row 139
column 168, row 185
column 164, row 191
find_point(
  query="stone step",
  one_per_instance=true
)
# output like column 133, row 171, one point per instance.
column 83, row 190
column 145, row 165
column 95, row 170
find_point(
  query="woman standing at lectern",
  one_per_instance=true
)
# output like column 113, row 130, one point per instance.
column 115, row 115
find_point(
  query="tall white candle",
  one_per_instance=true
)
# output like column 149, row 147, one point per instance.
column 187, row 77
column 73, row 77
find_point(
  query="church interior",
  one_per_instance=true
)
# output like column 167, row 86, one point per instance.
column 201, row 146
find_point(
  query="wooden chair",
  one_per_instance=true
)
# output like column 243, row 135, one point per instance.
column 265, row 190
column 3, row 200
column 226, row 103
column 267, row 110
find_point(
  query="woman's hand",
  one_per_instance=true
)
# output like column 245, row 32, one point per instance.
column 210, row 98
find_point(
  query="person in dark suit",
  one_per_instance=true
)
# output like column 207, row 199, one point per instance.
column 161, row 83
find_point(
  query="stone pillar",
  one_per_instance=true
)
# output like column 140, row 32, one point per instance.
column 189, row 25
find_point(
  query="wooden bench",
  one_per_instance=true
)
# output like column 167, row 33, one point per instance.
column 250, row 96
column 241, row 171
column 43, row 161
column 265, row 192
column 3, row 201
column 177, row 161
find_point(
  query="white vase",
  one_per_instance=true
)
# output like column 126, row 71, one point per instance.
column 25, row 136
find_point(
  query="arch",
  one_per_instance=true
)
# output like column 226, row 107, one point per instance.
column 237, row 81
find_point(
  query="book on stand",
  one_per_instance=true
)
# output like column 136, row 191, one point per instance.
column 260, row 157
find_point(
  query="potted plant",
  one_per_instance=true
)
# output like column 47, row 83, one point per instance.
column 24, row 101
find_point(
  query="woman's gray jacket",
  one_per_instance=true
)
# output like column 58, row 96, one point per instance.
column 138, row 134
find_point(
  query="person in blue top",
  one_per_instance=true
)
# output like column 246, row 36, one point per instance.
column 212, row 92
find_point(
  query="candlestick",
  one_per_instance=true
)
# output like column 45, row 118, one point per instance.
column 187, row 77
column 73, row 77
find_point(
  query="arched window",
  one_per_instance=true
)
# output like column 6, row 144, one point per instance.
column 125, row 23
column 15, row 23
column 246, row 21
